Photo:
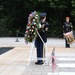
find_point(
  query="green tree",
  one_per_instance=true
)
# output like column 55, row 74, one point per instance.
column 14, row 15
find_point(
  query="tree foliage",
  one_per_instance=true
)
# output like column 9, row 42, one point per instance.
column 14, row 15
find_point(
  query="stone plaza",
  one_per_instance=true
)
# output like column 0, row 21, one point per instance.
column 15, row 56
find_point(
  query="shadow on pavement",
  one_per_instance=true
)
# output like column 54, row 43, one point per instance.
column 5, row 49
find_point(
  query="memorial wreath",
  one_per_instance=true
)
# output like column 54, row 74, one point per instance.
column 32, row 26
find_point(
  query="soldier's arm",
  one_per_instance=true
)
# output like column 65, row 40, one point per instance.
column 47, row 26
column 71, row 27
column 63, row 28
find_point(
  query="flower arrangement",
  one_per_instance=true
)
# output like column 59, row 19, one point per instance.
column 32, row 26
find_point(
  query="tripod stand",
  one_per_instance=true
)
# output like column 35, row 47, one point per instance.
column 45, row 48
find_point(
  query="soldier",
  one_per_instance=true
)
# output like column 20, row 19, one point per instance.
column 38, row 42
column 67, row 27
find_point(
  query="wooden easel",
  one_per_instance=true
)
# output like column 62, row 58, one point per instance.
column 31, row 50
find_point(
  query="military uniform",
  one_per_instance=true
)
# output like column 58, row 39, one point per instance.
column 67, row 27
column 38, row 42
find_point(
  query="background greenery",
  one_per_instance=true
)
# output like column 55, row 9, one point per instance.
column 14, row 15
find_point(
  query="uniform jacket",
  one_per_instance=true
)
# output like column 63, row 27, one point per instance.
column 67, row 27
column 43, row 32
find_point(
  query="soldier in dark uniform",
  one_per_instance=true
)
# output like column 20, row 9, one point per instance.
column 67, row 27
column 38, row 42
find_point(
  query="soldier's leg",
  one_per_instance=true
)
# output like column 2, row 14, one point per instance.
column 39, row 52
column 67, row 45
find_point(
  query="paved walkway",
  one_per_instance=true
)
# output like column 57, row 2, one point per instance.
column 15, row 56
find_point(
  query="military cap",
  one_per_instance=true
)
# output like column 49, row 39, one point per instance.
column 43, row 14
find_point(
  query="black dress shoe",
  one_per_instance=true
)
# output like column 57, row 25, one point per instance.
column 67, row 47
column 38, row 63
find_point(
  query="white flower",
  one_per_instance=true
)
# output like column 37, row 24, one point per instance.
column 28, row 36
column 32, row 26
column 32, row 30
column 28, row 18
column 36, row 15
column 33, row 19
column 28, row 27
column 36, row 18
column 39, row 25
column 30, row 14
column 34, row 33
column 34, row 23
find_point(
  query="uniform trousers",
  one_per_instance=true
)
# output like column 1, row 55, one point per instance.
column 40, row 51
column 66, row 44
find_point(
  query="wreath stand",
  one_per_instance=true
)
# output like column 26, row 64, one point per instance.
column 46, row 53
